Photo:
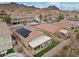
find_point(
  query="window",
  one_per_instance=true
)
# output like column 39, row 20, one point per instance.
column 43, row 45
column 35, row 48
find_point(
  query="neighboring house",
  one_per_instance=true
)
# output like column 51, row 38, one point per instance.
column 31, row 21
column 24, row 19
column 72, row 22
column 51, row 19
column 16, row 21
column 34, row 39
column 72, row 17
column 16, row 26
column 63, row 33
column 5, row 38
column 54, row 27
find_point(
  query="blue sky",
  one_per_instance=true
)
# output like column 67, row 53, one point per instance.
column 62, row 5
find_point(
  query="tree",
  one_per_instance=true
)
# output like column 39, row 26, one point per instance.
column 20, row 49
column 76, row 16
column 7, row 19
column 40, row 18
column 49, row 14
column 60, row 17
column 2, row 12
column 77, row 36
column 45, row 18
column 23, row 22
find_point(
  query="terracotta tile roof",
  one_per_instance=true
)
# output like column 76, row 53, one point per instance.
column 34, row 33
column 54, row 26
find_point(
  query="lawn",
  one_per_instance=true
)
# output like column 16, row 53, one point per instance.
column 39, row 54
column 1, row 55
column 8, row 52
column 77, row 30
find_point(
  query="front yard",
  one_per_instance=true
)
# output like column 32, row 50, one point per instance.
column 41, row 53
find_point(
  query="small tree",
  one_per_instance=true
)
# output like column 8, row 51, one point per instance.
column 40, row 18
column 77, row 50
column 77, row 36
column 45, row 18
column 49, row 14
column 76, row 16
column 60, row 17
column 23, row 22
column 7, row 19
column 20, row 49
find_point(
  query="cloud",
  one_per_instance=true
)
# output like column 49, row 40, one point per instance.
column 39, row 5
column 69, row 7
column 65, row 6
column 53, row 3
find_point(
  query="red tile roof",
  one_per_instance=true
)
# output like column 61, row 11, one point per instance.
column 54, row 26
column 34, row 33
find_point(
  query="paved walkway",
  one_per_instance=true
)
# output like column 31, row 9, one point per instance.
column 25, row 52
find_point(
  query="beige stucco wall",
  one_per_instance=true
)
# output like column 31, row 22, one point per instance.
column 5, row 43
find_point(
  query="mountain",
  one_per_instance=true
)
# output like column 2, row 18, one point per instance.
column 15, row 6
column 53, row 8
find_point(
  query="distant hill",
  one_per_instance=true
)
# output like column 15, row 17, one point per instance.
column 15, row 6
column 53, row 8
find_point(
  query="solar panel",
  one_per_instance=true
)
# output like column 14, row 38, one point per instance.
column 23, row 32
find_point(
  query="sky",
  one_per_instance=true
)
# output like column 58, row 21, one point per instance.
column 71, row 6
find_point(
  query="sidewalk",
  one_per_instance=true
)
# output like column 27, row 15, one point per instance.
column 25, row 52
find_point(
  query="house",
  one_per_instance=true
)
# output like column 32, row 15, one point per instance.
column 40, row 42
column 16, row 21
column 31, row 20
column 63, row 33
column 24, row 19
column 51, row 19
column 55, row 27
column 5, row 38
column 71, row 16
column 33, row 38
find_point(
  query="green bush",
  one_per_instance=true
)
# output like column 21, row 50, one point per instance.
column 10, row 51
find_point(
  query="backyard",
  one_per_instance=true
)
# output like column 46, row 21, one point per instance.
column 8, row 52
column 41, row 53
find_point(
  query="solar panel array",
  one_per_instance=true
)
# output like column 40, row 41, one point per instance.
column 23, row 32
